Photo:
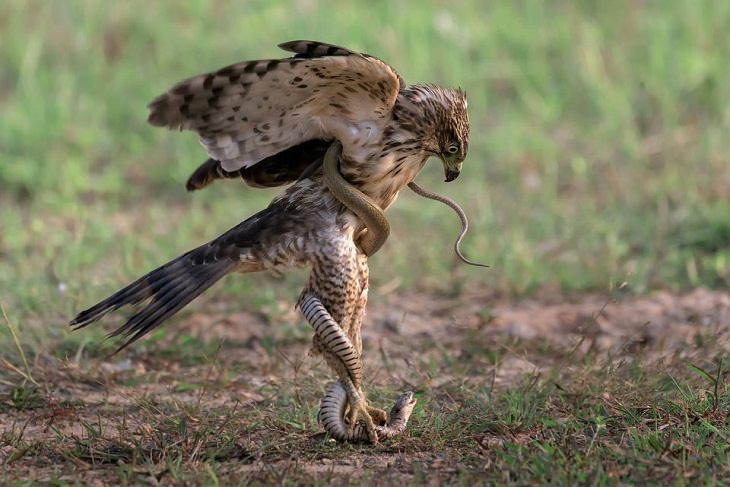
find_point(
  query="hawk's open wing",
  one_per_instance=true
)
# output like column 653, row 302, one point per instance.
column 250, row 111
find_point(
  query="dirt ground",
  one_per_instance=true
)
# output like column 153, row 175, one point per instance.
column 247, row 407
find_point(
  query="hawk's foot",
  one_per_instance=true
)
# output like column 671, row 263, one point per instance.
column 332, row 415
column 379, row 416
column 359, row 410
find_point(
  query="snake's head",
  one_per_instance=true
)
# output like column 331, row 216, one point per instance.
column 403, row 407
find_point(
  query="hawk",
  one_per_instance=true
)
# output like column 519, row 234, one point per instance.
column 270, row 123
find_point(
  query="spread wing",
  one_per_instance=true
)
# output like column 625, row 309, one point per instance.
column 250, row 111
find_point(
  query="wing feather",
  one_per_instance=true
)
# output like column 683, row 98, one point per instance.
column 249, row 111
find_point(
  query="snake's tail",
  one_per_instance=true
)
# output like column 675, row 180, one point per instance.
column 460, row 213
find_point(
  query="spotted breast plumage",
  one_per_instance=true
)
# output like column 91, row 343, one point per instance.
column 270, row 122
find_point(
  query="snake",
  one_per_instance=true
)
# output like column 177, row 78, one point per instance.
column 372, row 216
column 366, row 209
column 332, row 410
column 331, row 414
column 421, row 191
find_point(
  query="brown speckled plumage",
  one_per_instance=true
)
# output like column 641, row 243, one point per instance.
column 269, row 122
column 303, row 226
column 266, row 120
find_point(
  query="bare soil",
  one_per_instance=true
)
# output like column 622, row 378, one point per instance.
column 242, row 395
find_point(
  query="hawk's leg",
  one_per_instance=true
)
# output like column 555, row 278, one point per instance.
column 342, row 356
column 339, row 281
column 379, row 416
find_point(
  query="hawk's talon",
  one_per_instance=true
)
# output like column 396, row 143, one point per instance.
column 332, row 415
column 361, row 411
column 385, row 127
column 379, row 416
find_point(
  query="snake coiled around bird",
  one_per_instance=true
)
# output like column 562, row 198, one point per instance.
column 372, row 216
column 334, row 405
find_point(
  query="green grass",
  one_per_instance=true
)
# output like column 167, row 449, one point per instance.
column 598, row 156
column 578, row 418
column 598, row 140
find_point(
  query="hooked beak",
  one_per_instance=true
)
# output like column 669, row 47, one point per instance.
column 452, row 168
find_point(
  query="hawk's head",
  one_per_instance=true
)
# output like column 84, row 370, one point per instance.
column 453, row 133
column 447, row 134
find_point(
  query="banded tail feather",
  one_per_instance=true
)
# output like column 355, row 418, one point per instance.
column 172, row 286
column 169, row 288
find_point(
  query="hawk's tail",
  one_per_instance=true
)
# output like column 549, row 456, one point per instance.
column 170, row 287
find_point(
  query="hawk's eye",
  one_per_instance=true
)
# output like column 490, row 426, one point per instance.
column 453, row 149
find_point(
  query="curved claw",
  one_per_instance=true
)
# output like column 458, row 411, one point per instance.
column 359, row 409
column 359, row 422
column 333, row 419
column 379, row 416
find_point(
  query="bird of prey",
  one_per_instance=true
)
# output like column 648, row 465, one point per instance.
column 270, row 122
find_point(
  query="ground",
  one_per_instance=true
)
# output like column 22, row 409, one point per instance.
column 593, row 351
column 591, row 389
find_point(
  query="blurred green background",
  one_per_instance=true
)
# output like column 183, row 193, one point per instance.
column 598, row 155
